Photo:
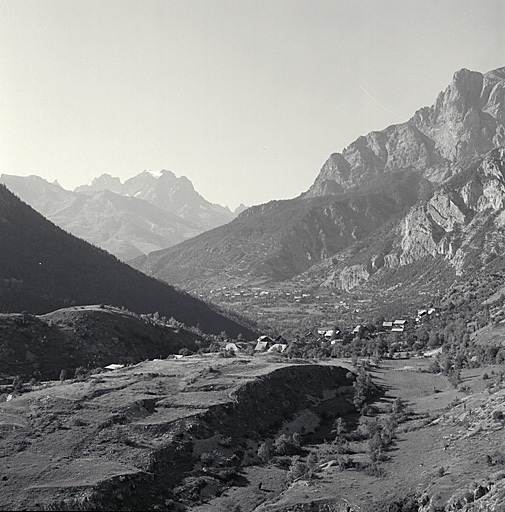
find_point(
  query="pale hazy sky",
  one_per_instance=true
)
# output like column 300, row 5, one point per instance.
column 247, row 98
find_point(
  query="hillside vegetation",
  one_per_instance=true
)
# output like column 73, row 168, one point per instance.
column 85, row 338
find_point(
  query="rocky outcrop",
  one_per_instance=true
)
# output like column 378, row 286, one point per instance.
column 462, row 223
column 450, row 224
column 353, row 276
column 468, row 118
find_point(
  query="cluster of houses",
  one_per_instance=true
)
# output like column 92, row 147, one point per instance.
column 263, row 344
column 332, row 334
column 396, row 326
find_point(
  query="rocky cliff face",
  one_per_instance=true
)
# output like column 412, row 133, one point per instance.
column 461, row 223
column 468, row 118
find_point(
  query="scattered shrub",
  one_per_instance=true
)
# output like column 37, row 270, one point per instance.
column 298, row 469
column 497, row 415
column 80, row 373
column 226, row 442
column 287, row 445
column 207, row 457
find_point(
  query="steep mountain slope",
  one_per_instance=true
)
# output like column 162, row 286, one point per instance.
column 124, row 226
column 462, row 225
column 168, row 192
column 122, row 219
column 283, row 238
column 467, row 119
column 42, row 268
column 399, row 182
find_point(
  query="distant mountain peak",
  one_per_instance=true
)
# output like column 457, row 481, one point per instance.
column 148, row 212
column 163, row 173
column 103, row 182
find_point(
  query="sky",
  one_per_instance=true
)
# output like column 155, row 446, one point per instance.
column 247, row 98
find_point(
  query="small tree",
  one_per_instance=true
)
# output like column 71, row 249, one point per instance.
column 312, row 460
column 265, row 451
column 297, row 469
column 17, row 383
column 398, row 406
column 375, row 448
column 362, row 389
column 339, row 426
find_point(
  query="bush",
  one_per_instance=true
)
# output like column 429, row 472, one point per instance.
column 298, row 469
column 226, row 442
column 373, row 469
column 207, row 458
column 497, row 415
column 81, row 373
column 265, row 451
column 344, row 462
column 286, row 445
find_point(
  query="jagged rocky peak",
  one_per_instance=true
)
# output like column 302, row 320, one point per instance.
column 162, row 175
column 163, row 181
column 103, row 182
column 239, row 209
column 467, row 118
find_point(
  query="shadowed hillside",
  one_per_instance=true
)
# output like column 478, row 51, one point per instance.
column 42, row 268
column 85, row 336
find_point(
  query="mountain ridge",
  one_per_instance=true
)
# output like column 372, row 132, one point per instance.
column 460, row 123
column 366, row 177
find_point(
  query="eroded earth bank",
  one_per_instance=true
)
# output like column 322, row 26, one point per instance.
column 163, row 434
